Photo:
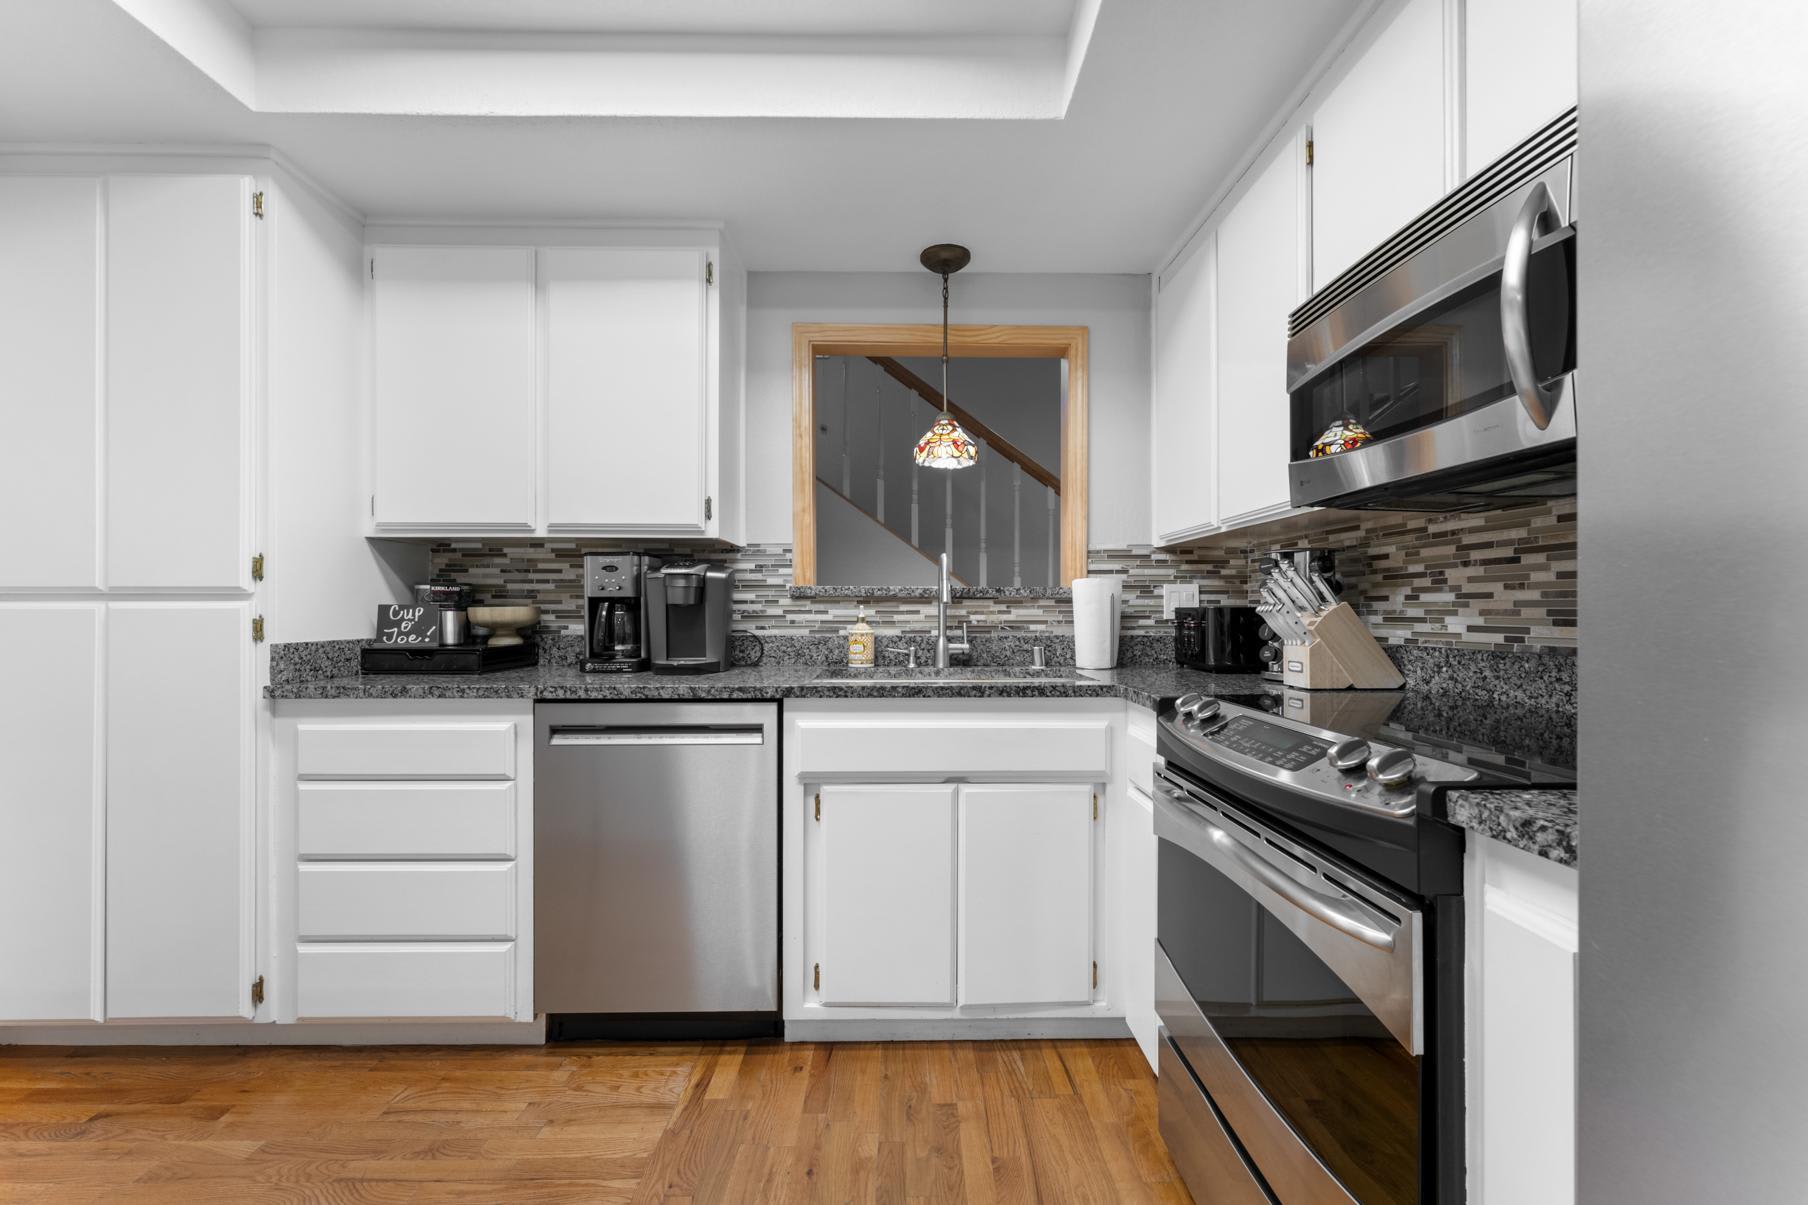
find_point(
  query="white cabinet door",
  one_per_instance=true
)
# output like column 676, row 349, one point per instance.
column 180, row 810
column 50, row 237
column 1026, row 894
column 1137, row 884
column 52, row 815
column 626, row 388
column 1521, row 1066
column 887, row 902
column 452, row 345
column 1184, row 385
column 178, row 384
column 1260, row 245
column 1378, row 141
column 1519, row 71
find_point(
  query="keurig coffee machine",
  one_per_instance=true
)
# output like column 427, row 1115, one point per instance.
column 687, row 616
column 615, row 613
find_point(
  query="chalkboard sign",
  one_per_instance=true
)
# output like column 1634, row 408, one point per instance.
column 399, row 624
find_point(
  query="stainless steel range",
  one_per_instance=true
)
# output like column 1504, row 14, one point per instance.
column 1309, row 961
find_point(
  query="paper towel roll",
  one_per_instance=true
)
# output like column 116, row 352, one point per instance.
column 1096, row 601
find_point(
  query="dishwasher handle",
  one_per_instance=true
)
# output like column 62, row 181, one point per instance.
column 656, row 734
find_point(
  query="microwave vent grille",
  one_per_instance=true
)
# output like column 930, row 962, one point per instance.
column 1525, row 162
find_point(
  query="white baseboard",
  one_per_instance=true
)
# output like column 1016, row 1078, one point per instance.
column 961, row 1029
column 318, row 1033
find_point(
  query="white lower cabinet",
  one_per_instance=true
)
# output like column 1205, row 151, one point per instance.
column 403, row 846
column 181, row 812
column 1026, row 894
column 1137, row 870
column 1521, row 1064
column 53, row 811
column 958, row 884
column 888, row 895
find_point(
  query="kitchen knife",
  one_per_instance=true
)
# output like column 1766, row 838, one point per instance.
column 1295, row 591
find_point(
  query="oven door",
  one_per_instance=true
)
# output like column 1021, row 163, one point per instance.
column 1292, row 988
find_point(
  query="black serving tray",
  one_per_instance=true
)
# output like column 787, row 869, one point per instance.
column 446, row 659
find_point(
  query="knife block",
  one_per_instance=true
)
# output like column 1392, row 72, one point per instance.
column 1341, row 653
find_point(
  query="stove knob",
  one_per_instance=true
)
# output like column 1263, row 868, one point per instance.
column 1349, row 756
column 1206, row 710
column 1188, row 704
column 1393, row 768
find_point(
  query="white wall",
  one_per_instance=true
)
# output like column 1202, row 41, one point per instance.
column 1115, row 308
column 327, row 579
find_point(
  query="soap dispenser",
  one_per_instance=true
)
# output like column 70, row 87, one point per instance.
column 860, row 643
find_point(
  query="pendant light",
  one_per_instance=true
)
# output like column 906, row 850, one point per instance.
column 946, row 445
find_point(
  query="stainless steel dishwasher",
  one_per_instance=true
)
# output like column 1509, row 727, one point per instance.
column 656, row 868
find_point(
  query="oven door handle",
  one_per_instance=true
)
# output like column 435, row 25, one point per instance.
column 1537, row 216
column 1319, row 906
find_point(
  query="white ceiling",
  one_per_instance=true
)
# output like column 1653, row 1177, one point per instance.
column 1170, row 97
column 729, row 17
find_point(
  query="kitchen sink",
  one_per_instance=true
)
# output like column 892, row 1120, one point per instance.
column 958, row 675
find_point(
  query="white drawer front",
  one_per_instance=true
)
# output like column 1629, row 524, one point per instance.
column 386, row 901
column 858, row 750
column 476, row 750
column 405, row 820
column 444, row 980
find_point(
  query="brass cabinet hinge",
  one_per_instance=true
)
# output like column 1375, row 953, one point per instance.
column 1095, row 805
column 257, row 567
column 1308, row 152
column 816, row 980
column 709, row 271
column 1095, row 976
column 257, row 629
column 819, row 806
column 257, row 204
column 709, row 506
column 257, row 991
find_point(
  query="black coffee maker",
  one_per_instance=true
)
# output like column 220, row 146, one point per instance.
column 615, row 617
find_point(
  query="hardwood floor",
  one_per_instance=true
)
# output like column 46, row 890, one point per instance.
column 1001, row 1122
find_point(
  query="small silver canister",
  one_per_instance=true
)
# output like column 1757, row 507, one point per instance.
column 454, row 626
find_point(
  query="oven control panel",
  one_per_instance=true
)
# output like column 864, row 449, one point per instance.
column 1348, row 770
column 1282, row 748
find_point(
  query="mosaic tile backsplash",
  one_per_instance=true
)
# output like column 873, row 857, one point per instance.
column 1496, row 580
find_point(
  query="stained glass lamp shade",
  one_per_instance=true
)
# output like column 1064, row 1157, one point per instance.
column 947, row 445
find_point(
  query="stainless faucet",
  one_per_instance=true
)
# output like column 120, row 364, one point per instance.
column 943, row 647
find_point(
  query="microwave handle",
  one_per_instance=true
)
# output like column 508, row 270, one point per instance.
column 1537, row 216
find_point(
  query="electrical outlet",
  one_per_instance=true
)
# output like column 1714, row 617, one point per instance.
column 1178, row 594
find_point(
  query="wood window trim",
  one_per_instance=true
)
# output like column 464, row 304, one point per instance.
column 812, row 339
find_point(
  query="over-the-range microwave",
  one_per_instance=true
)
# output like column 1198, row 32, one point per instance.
column 1438, row 373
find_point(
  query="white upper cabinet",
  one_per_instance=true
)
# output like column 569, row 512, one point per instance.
column 591, row 389
column 454, row 388
column 1260, row 279
column 627, row 388
column 50, row 266
column 1183, row 452
column 181, row 811
column 1379, row 141
column 1519, row 71
column 178, row 383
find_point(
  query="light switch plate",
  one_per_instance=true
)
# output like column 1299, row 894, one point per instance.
column 1178, row 594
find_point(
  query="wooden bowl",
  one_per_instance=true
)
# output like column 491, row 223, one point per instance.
column 505, row 623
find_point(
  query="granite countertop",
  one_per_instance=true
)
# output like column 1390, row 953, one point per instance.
column 1543, row 822
column 1143, row 685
